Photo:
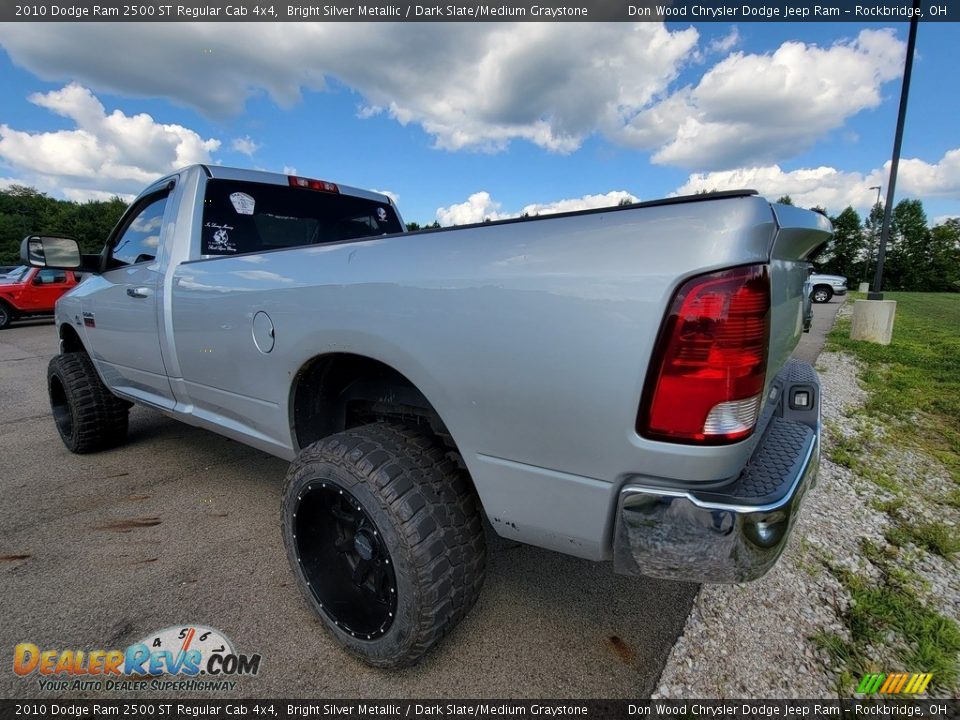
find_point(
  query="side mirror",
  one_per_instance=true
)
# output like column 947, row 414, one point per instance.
column 61, row 253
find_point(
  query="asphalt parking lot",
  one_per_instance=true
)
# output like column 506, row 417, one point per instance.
column 180, row 526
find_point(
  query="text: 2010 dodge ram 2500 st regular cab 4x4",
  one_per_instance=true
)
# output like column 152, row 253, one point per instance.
column 612, row 384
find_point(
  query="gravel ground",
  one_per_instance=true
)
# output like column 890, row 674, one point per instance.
column 754, row 640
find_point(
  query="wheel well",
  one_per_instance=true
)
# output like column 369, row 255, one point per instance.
column 334, row 392
column 69, row 340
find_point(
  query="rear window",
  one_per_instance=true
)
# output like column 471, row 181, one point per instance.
column 246, row 217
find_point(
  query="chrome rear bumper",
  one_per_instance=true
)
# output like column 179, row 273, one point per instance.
column 737, row 533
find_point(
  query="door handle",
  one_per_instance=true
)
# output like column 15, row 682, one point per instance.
column 139, row 292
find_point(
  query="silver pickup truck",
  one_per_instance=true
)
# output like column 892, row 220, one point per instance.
column 613, row 384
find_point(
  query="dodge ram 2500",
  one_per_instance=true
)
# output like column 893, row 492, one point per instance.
column 614, row 384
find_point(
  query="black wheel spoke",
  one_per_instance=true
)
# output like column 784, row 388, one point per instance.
column 361, row 571
column 345, row 560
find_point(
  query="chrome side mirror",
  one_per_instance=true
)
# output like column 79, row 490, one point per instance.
column 61, row 253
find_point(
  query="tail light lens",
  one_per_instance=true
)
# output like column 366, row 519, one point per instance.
column 705, row 383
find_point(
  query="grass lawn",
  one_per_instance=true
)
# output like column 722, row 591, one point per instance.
column 916, row 378
column 913, row 386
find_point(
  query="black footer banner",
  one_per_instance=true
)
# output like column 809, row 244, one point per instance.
column 561, row 709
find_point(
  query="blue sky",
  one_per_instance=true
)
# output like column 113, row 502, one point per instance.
column 468, row 121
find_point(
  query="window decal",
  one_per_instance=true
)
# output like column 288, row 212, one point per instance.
column 220, row 242
column 242, row 203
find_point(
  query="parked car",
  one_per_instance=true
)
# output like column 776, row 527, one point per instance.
column 613, row 384
column 33, row 292
column 826, row 286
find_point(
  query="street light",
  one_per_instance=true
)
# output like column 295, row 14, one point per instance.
column 875, row 240
column 895, row 160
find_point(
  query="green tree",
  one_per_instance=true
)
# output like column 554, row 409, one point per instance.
column 847, row 248
column 25, row 210
column 871, row 232
column 907, row 263
column 785, row 200
column 943, row 270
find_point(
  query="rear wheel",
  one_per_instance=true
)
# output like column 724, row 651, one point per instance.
column 6, row 315
column 384, row 535
column 821, row 294
column 88, row 416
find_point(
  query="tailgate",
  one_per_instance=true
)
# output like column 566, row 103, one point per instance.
column 800, row 233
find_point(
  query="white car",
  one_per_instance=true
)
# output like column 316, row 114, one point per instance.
column 824, row 287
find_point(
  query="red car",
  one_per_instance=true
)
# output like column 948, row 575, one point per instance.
column 29, row 292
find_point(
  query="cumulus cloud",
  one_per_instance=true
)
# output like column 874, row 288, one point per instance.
column 389, row 193
column 835, row 189
column 480, row 207
column 481, row 87
column 759, row 108
column 468, row 85
column 727, row 42
column 245, row 146
column 104, row 153
column 84, row 195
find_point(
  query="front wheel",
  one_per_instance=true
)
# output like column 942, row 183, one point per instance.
column 821, row 294
column 384, row 536
column 6, row 315
column 88, row 416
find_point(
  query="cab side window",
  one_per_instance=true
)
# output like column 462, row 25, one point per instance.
column 141, row 237
column 49, row 277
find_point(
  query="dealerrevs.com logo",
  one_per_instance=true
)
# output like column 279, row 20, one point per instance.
column 187, row 658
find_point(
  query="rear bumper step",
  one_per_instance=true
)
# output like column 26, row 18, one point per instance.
column 737, row 533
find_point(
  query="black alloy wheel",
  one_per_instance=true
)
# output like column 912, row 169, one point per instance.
column 344, row 560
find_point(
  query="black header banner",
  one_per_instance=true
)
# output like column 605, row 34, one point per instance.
column 683, row 11
column 219, row 709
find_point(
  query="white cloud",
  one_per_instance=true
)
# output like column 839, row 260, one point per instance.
column 835, row 189
column 390, row 194
column 482, row 86
column 245, row 145
column 480, row 207
column 83, row 195
column 758, row 108
column 468, row 85
column 289, row 170
column 112, row 154
column 726, row 43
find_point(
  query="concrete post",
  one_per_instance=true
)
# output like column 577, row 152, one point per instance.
column 873, row 320
column 864, row 287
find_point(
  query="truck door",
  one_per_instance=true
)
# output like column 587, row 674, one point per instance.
column 122, row 317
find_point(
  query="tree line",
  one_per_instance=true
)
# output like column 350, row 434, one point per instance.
column 918, row 257
column 25, row 211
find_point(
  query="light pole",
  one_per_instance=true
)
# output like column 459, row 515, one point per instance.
column 875, row 240
column 895, row 161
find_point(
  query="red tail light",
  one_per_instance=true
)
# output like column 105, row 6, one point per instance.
column 309, row 184
column 705, row 383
